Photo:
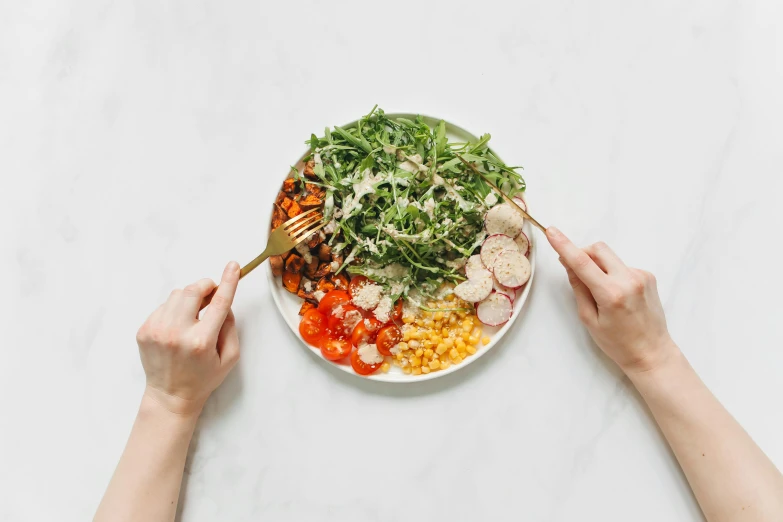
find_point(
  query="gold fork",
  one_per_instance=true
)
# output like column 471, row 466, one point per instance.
column 281, row 240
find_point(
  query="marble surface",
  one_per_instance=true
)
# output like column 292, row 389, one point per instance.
column 140, row 144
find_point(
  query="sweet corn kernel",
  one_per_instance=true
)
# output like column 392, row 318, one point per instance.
column 485, row 341
column 457, row 360
column 438, row 316
column 434, row 365
column 453, row 353
column 419, row 352
column 450, row 297
column 471, row 350
column 428, row 353
column 444, row 364
column 416, row 371
column 444, row 332
column 399, row 356
column 476, row 332
column 438, row 326
column 406, row 336
column 415, row 361
column 425, row 369
column 402, row 345
column 385, row 367
column 428, row 344
column 460, row 344
column 453, row 319
column 425, row 361
column 448, row 342
column 465, row 336
column 407, row 319
column 441, row 349
column 473, row 340
column 466, row 330
column 413, row 344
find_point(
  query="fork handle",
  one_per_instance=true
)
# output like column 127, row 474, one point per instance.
column 263, row 256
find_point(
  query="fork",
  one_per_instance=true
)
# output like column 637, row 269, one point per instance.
column 281, row 240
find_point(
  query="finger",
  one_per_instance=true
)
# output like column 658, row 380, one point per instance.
column 576, row 259
column 228, row 342
column 585, row 304
column 605, row 258
column 171, row 309
column 218, row 308
column 194, row 294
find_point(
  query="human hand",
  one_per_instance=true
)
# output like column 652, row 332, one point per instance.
column 185, row 358
column 619, row 305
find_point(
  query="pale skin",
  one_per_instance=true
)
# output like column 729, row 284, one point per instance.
column 186, row 358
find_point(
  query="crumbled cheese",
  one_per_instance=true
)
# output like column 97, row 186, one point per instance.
column 334, row 266
column 429, row 207
column 317, row 159
column 447, row 222
column 338, row 311
column 369, row 354
column 308, row 286
column 368, row 296
column 351, row 319
column 491, row 199
column 383, row 310
column 303, row 249
column 437, row 180
column 369, row 325
column 318, row 294
column 396, row 349
column 331, row 226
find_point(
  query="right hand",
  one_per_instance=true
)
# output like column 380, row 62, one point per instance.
column 619, row 305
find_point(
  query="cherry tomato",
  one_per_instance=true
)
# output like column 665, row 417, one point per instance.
column 335, row 348
column 332, row 299
column 313, row 326
column 361, row 367
column 342, row 324
column 366, row 331
column 356, row 283
column 388, row 338
column 397, row 312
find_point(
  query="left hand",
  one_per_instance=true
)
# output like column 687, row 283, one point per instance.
column 185, row 358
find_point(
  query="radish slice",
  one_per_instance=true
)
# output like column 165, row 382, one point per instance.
column 475, row 269
column 494, row 245
column 511, row 269
column 504, row 219
column 521, row 202
column 508, row 292
column 495, row 309
column 523, row 243
column 474, row 290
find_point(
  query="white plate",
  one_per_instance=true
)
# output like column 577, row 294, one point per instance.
column 289, row 304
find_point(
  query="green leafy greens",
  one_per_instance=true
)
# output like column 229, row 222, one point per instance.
column 399, row 197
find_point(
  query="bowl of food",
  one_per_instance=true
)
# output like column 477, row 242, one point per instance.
column 422, row 266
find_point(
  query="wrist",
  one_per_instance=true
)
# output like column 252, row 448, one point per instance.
column 664, row 354
column 156, row 401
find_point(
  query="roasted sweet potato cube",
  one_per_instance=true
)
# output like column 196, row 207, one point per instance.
column 291, row 281
column 294, row 210
column 289, row 185
column 307, row 305
column 315, row 239
column 311, row 268
column 310, row 201
column 323, row 270
column 278, row 217
column 324, row 252
column 315, row 190
column 294, row 264
column 276, row 262
column 324, row 285
column 305, row 295
column 340, row 281
column 286, row 203
column 308, row 170
column 281, row 196
column 285, row 255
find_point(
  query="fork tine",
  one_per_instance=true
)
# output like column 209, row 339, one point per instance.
column 308, row 233
column 297, row 218
column 303, row 224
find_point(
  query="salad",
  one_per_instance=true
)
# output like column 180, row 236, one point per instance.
column 418, row 252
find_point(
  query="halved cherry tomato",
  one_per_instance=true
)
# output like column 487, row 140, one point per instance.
column 388, row 338
column 356, row 283
column 313, row 326
column 361, row 367
column 366, row 331
column 332, row 299
column 343, row 323
column 335, row 348
column 397, row 312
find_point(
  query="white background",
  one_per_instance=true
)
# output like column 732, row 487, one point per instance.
column 141, row 144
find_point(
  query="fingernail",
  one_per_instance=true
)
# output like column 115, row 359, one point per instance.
column 552, row 232
column 232, row 267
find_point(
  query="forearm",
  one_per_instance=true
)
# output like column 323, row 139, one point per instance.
column 145, row 486
column 730, row 476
